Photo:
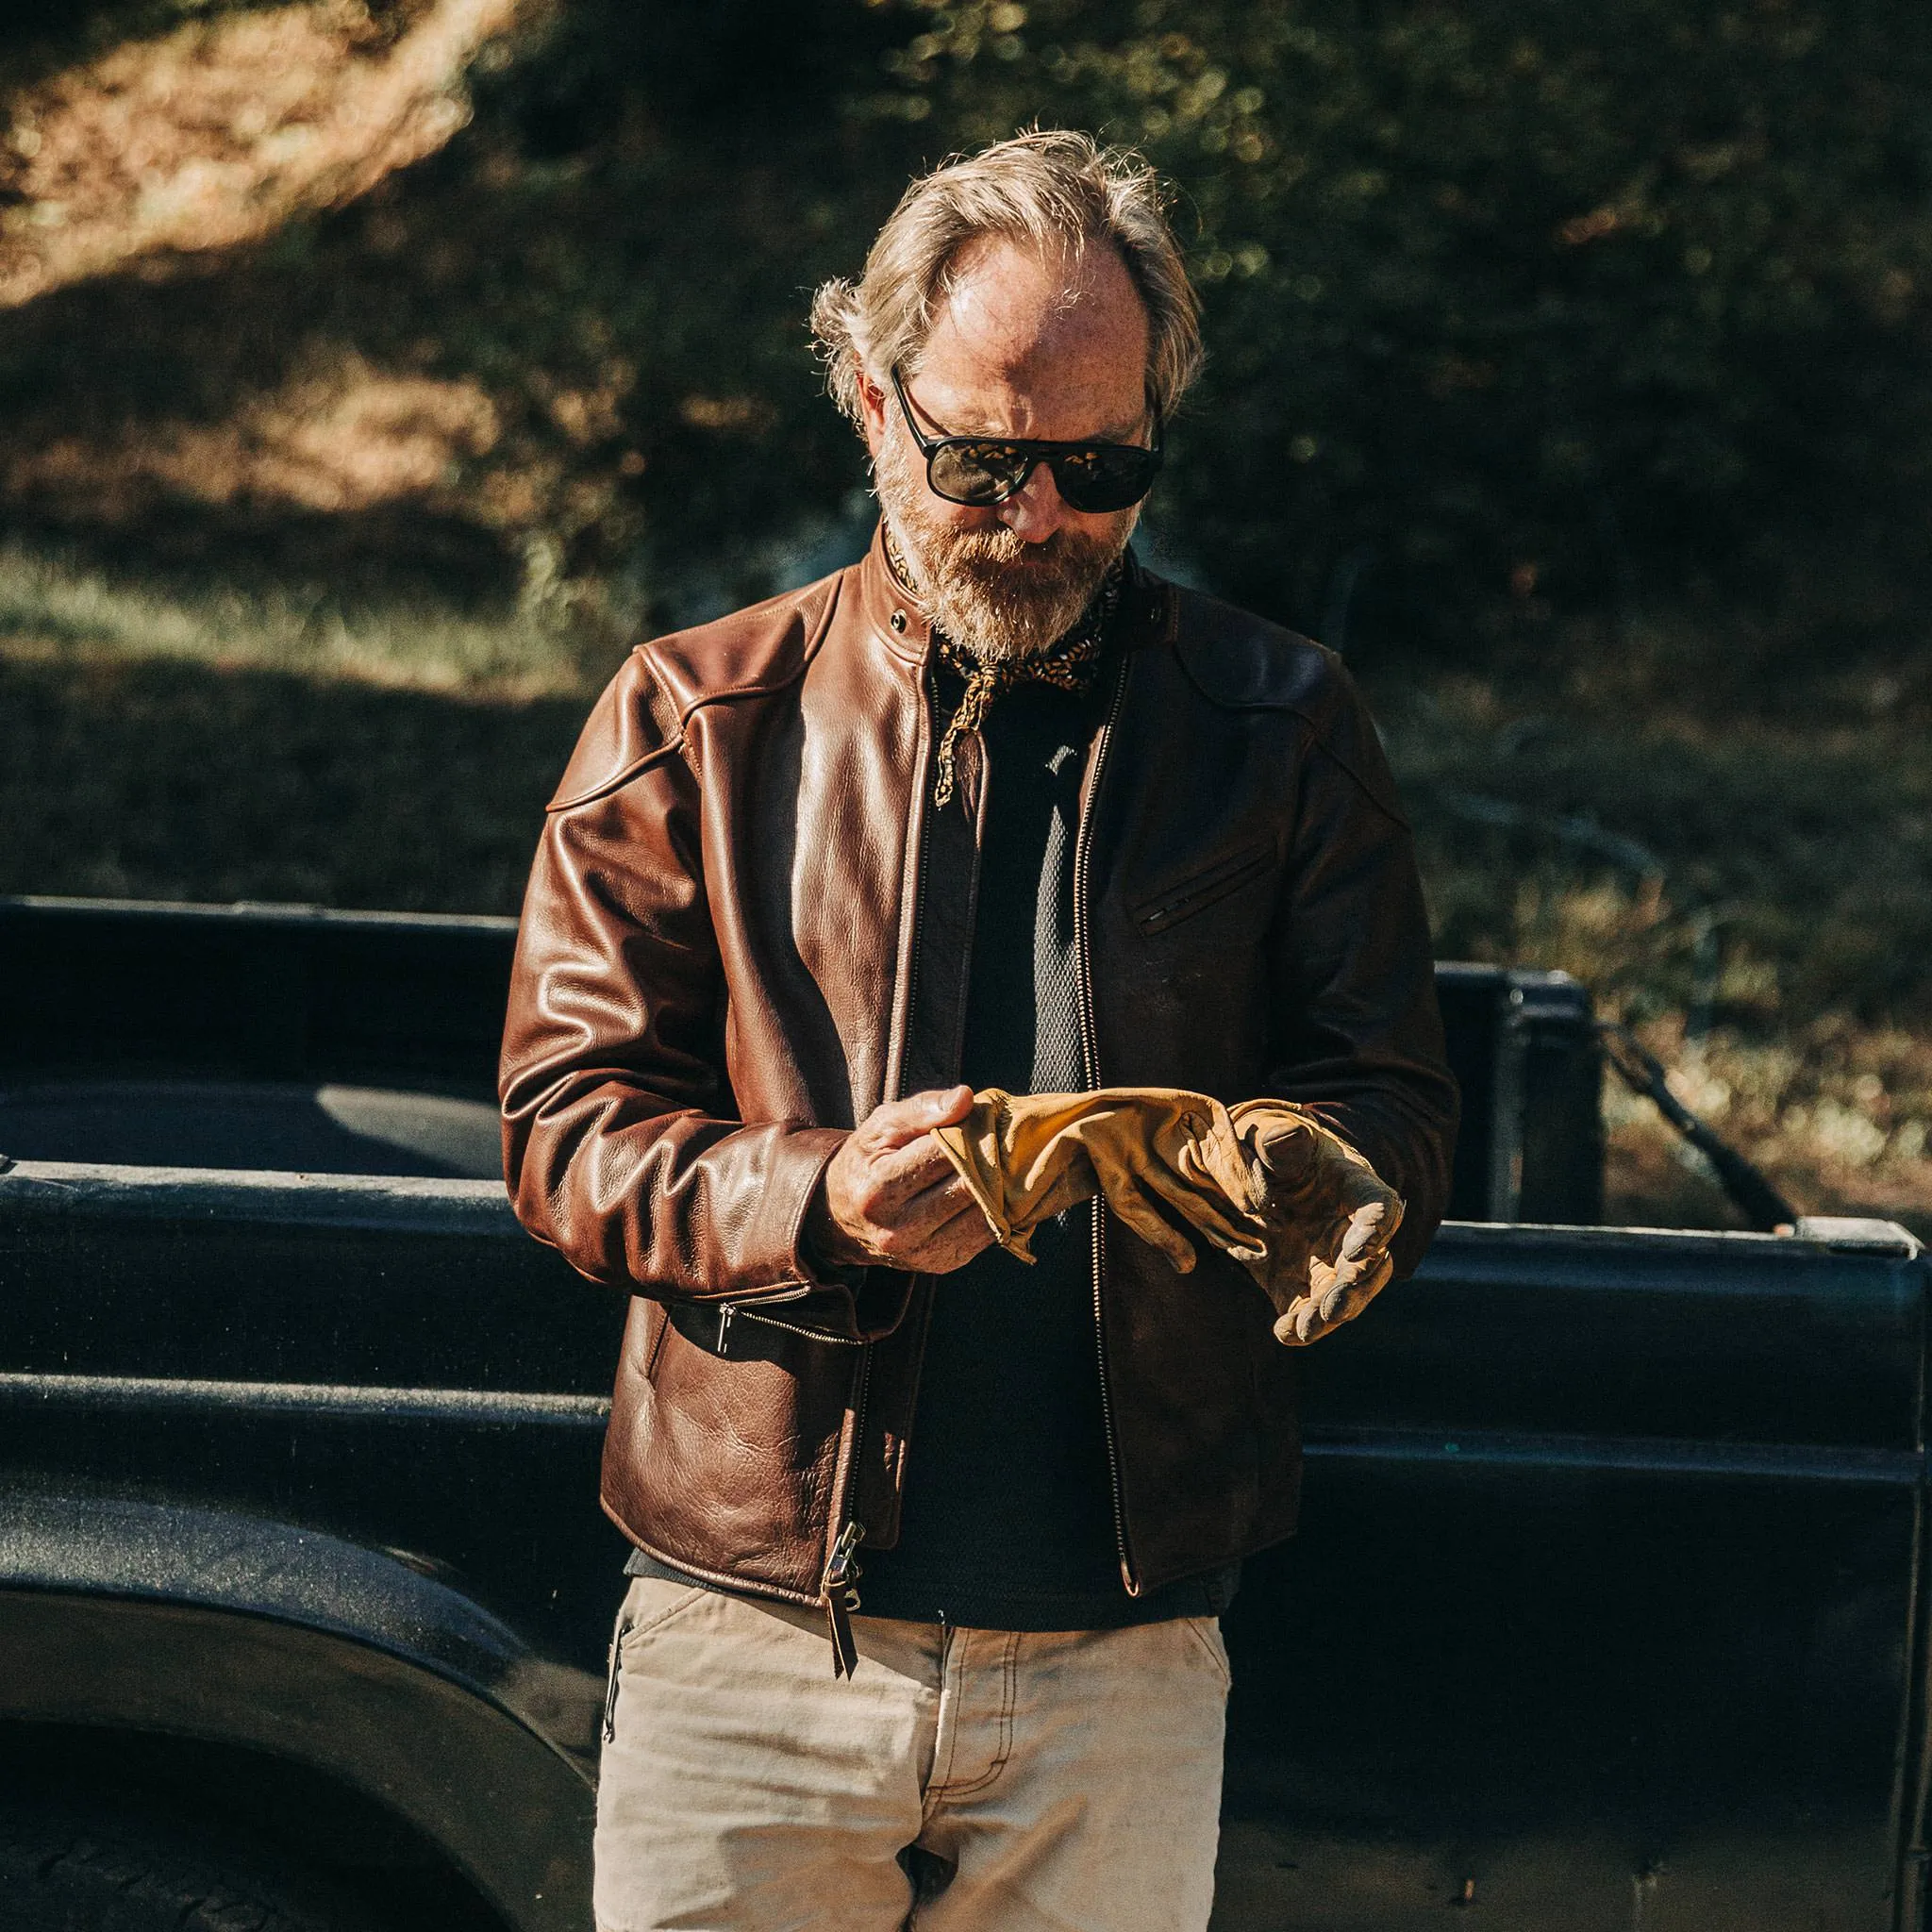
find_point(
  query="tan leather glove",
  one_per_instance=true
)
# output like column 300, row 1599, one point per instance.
column 1029, row 1156
column 1328, row 1217
column 1301, row 1209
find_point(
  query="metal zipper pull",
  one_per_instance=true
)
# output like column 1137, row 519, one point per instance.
column 841, row 1589
column 617, row 1638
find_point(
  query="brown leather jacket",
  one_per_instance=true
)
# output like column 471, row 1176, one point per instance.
column 715, row 980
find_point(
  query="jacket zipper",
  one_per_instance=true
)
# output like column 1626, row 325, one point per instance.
column 840, row 1589
column 741, row 1312
column 752, row 1308
column 1089, row 1057
column 840, row 1584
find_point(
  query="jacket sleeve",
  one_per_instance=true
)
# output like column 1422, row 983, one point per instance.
column 1358, row 1038
column 620, row 1148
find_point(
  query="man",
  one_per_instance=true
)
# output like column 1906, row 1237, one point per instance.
column 993, row 809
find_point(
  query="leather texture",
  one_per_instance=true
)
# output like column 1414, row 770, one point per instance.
column 1268, row 1184
column 715, row 980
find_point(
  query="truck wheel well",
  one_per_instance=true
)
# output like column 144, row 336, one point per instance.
column 227, row 1792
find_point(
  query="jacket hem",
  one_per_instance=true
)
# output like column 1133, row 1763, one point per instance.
column 723, row 1579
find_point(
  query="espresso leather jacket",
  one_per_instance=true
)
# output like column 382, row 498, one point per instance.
column 747, row 926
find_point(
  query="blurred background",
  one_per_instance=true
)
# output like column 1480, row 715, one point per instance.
column 372, row 373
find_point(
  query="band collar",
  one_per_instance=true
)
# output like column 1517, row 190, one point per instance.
column 1145, row 614
column 891, row 613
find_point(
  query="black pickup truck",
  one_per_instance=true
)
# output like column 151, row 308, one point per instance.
column 1608, row 1608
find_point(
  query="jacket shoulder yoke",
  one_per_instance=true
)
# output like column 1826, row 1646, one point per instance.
column 1242, row 662
column 642, row 716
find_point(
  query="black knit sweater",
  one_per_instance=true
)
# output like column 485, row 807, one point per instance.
column 1008, row 1516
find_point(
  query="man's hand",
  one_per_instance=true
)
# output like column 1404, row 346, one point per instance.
column 890, row 1195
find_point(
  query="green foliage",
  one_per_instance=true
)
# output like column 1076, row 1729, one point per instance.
column 1508, row 287
column 1511, row 304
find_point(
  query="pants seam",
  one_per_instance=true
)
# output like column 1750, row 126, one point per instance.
column 936, row 1787
column 1003, row 1750
column 1199, row 1637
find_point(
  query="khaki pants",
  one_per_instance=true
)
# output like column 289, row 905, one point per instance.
column 961, row 1781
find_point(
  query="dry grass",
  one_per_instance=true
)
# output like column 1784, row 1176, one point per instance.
column 58, row 614
column 1749, row 886
column 344, row 437
column 1839, row 1116
column 216, row 134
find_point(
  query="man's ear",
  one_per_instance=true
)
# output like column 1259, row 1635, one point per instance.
column 872, row 413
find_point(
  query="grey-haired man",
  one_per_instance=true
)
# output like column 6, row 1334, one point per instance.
column 993, row 809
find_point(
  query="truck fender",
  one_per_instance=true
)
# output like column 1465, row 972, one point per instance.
column 123, row 1613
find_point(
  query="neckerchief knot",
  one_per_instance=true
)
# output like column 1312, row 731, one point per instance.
column 1067, row 664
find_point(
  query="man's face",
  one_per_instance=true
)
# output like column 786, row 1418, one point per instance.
column 1026, row 347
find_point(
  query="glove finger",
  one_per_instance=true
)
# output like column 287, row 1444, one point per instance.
column 1302, row 1324
column 1366, row 1232
column 1323, row 1278
column 1349, row 1297
column 1280, row 1142
column 1309, row 1317
column 1210, row 1213
column 1287, row 1324
column 1133, row 1207
column 1075, row 1183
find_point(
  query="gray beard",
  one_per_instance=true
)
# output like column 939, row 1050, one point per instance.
column 994, row 595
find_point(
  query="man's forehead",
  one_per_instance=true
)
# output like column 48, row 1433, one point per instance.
column 1008, row 298
column 1016, row 319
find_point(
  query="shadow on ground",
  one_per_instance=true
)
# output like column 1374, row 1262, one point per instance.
column 156, row 779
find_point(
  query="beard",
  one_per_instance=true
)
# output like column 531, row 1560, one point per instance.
column 992, row 593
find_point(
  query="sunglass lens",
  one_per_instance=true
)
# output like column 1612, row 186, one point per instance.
column 1108, row 476
column 978, row 473
column 1103, row 477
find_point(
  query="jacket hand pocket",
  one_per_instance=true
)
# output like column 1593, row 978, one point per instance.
column 1203, row 888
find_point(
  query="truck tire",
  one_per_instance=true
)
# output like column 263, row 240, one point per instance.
column 70, row 1870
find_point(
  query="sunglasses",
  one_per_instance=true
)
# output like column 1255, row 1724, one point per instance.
column 983, row 470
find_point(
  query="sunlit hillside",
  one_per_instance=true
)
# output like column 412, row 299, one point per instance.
column 371, row 375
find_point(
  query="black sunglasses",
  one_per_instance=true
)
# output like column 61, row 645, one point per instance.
column 983, row 470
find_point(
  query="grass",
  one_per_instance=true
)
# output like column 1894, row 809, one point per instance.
column 1753, row 894
column 266, row 743
column 56, row 608
column 1747, row 882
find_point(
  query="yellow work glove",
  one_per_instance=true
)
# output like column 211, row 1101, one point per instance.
column 1029, row 1156
column 1328, row 1218
column 1305, row 1214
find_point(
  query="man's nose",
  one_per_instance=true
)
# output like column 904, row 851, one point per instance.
column 1036, row 510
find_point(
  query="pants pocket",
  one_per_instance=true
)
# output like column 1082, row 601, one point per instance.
column 1205, row 1632
column 648, row 1604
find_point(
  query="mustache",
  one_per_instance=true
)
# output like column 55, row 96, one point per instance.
column 1061, row 554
